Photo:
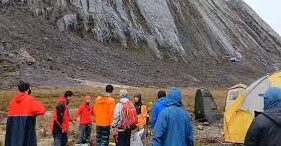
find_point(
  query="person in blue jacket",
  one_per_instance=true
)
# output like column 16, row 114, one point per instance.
column 173, row 127
column 158, row 107
column 265, row 129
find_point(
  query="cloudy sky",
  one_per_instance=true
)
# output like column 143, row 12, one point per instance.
column 269, row 10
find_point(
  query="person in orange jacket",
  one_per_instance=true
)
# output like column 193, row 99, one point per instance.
column 85, row 113
column 22, row 112
column 103, row 113
column 61, row 119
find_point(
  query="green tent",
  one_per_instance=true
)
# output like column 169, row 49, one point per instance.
column 205, row 109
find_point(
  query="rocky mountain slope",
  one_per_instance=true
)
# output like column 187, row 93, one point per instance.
column 134, row 42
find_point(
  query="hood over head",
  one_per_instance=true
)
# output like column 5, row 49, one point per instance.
column 272, row 98
column 174, row 97
column 272, row 105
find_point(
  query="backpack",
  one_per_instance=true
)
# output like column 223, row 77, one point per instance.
column 129, row 118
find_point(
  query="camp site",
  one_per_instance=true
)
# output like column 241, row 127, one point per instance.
column 140, row 73
column 220, row 116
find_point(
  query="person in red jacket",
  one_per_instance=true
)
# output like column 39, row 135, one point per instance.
column 22, row 112
column 61, row 119
column 85, row 113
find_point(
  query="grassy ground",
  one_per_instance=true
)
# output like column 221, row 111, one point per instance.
column 48, row 97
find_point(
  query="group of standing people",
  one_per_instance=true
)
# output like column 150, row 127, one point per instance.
column 103, row 113
column 170, row 122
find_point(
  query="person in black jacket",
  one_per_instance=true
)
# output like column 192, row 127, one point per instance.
column 265, row 129
column 61, row 119
column 138, row 103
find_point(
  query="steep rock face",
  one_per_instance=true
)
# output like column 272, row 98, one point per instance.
column 182, row 29
column 198, row 33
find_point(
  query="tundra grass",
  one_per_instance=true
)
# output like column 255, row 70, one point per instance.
column 48, row 97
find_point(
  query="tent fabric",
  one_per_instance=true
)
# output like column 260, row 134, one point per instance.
column 233, row 94
column 275, row 80
column 239, row 115
column 254, row 95
column 238, row 86
column 236, row 122
column 205, row 109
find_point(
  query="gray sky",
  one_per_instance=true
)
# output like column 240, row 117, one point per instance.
column 268, row 10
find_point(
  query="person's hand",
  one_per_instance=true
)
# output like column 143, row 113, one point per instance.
column 114, row 132
column 78, row 119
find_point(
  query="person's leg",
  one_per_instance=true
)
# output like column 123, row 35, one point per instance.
column 88, row 133
column 64, row 139
column 57, row 139
column 121, row 138
column 105, row 132
column 128, row 137
column 98, row 135
column 80, row 138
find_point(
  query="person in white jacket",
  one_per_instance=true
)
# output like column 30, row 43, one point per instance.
column 123, row 135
